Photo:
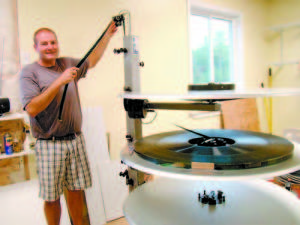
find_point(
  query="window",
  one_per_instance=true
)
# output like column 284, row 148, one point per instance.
column 212, row 42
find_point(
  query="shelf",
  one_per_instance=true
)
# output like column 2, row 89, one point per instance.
column 285, row 63
column 19, row 154
column 11, row 116
column 282, row 27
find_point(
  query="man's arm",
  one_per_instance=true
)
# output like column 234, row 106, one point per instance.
column 41, row 102
column 99, row 50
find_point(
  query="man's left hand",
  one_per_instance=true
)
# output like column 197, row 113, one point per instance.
column 112, row 29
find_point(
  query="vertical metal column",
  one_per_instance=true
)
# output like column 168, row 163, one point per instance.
column 132, row 80
column 132, row 84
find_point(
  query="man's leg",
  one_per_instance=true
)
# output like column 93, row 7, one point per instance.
column 78, row 178
column 75, row 201
column 50, row 175
column 52, row 212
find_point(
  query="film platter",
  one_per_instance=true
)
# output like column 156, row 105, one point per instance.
column 213, row 154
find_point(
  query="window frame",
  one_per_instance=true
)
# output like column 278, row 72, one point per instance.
column 196, row 8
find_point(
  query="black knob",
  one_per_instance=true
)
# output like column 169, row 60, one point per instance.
column 204, row 198
column 129, row 138
column 123, row 50
column 123, row 174
column 129, row 182
column 116, row 51
column 118, row 20
column 220, row 195
column 212, row 201
column 142, row 64
column 212, row 198
column 127, row 89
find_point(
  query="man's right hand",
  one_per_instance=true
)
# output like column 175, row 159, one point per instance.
column 41, row 102
column 68, row 75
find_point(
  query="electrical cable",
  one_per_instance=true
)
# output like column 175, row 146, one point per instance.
column 152, row 119
column 124, row 12
column 289, row 178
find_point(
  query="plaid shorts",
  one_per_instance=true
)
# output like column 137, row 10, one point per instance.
column 62, row 163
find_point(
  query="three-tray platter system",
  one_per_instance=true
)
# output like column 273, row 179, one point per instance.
column 195, row 165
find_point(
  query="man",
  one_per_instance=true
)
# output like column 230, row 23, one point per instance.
column 60, row 147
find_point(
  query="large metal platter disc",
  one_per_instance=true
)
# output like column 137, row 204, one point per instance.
column 134, row 160
column 204, row 95
column 244, row 149
column 165, row 201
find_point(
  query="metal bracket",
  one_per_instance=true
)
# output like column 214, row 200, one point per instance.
column 136, row 108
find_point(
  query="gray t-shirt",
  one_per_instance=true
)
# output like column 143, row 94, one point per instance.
column 34, row 80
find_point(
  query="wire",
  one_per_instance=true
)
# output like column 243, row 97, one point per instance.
column 152, row 119
column 78, row 66
column 290, row 178
column 129, row 21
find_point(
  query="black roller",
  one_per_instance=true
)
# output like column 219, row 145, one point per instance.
column 211, row 87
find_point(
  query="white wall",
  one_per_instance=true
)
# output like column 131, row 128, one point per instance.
column 286, row 109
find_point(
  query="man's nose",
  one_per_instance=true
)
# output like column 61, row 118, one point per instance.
column 51, row 46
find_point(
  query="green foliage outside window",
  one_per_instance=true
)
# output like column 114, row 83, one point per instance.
column 222, row 57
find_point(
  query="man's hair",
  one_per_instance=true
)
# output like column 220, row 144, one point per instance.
column 42, row 29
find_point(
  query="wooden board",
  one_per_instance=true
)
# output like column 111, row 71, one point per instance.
column 240, row 114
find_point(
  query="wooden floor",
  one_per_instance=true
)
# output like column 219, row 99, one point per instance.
column 121, row 221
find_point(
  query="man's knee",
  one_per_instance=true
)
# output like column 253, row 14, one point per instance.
column 52, row 203
column 75, row 195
